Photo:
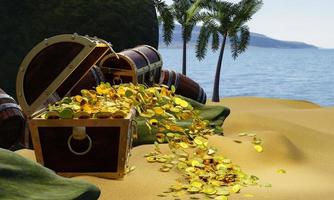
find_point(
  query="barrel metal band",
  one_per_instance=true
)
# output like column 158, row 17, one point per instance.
column 99, row 74
column 200, row 94
column 9, row 105
column 6, row 96
column 148, row 63
column 169, row 78
column 97, row 80
column 176, row 80
column 204, row 96
column 155, row 51
column 162, row 77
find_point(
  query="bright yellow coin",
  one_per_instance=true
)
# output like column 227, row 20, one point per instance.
column 236, row 188
column 258, row 148
column 209, row 190
column 159, row 110
column 183, row 145
column 181, row 102
column 153, row 122
column 196, row 184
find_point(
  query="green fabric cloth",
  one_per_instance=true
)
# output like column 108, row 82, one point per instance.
column 215, row 114
column 21, row 178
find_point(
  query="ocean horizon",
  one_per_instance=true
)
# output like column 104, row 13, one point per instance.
column 298, row 74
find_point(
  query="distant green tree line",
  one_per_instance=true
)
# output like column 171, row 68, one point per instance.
column 24, row 23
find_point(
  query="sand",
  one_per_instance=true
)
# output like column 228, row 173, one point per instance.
column 298, row 137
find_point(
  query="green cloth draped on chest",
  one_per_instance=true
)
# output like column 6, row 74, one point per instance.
column 21, row 178
column 216, row 114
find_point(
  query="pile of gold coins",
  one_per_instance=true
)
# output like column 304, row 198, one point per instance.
column 116, row 101
column 104, row 102
column 204, row 171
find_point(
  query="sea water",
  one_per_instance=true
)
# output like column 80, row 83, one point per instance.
column 306, row 74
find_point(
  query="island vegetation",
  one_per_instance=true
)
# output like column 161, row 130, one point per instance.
column 24, row 23
column 220, row 19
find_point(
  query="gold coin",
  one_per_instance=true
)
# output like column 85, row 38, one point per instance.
column 258, row 148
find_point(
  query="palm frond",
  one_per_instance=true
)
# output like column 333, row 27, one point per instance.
column 207, row 4
column 250, row 7
column 187, row 30
column 193, row 11
column 222, row 12
column 231, row 18
column 166, row 19
column 202, row 43
column 180, row 8
column 203, row 16
column 207, row 30
column 239, row 41
column 244, row 38
column 245, row 11
column 187, row 13
column 215, row 41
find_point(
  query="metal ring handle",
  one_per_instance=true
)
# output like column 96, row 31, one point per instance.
column 79, row 153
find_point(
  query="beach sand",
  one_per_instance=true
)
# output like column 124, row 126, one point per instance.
column 298, row 137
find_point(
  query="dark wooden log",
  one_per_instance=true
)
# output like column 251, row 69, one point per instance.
column 184, row 85
column 12, row 121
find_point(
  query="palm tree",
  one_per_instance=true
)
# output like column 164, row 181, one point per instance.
column 165, row 18
column 181, row 10
column 226, row 20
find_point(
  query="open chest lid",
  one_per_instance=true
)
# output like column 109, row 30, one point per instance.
column 53, row 67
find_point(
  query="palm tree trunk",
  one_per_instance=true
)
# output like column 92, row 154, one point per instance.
column 184, row 57
column 215, row 96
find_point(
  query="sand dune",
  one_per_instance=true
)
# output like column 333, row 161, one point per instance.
column 298, row 137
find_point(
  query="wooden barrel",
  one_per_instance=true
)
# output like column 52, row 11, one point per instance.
column 141, row 64
column 184, row 85
column 12, row 121
column 93, row 78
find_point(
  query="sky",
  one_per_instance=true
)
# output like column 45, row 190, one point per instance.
column 309, row 21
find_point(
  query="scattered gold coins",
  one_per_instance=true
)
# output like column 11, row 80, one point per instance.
column 281, row 171
column 203, row 170
column 257, row 142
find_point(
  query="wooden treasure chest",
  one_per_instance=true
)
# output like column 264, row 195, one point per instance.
column 73, row 146
column 141, row 64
